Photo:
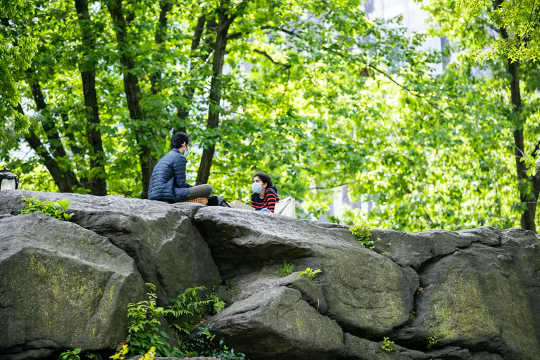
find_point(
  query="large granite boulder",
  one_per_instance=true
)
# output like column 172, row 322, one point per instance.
column 416, row 249
column 281, row 324
column 363, row 290
column 482, row 297
column 61, row 286
column 466, row 295
column 168, row 250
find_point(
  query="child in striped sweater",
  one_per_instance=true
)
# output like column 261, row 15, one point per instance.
column 264, row 195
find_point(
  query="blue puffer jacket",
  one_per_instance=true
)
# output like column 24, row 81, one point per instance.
column 168, row 182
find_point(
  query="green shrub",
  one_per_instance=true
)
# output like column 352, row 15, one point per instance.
column 363, row 235
column 70, row 355
column 77, row 354
column 388, row 345
column 185, row 314
column 310, row 273
column 202, row 342
column 333, row 219
column 145, row 327
column 432, row 340
column 286, row 269
column 187, row 310
column 56, row 209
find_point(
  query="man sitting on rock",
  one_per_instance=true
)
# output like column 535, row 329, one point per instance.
column 168, row 182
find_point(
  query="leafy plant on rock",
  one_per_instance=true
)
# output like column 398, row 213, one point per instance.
column 150, row 354
column 121, row 354
column 56, row 209
column 187, row 310
column 145, row 326
column 363, row 235
column 70, row 354
column 286, row 269
column 77, row 354
column 432, row 340
column 310, row 273
column 185, row 314
column 388, row 345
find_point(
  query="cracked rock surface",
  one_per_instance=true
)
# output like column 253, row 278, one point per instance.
column 61, row 286
column 159, row 237
column 471, row 294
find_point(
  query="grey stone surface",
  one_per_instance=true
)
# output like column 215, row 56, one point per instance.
column 523, row 249
column 472, row 299
column 362, row 289
column 245, row 285
column 477, row 291
column 416, row 249
column 486, row 356
column 168, row 250
column 362, row 349
column 61, row 286
column 276, row 323
column 176, row 358
column 28, row 354
column 240, row 237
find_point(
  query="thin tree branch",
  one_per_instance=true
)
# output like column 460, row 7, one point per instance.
column 382, row 72
column 389, row 77
column 278, row 28
column 266, row 55
column 536, row 148
column 234, row 36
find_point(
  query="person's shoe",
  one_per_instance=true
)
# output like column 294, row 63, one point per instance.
column 200, row 200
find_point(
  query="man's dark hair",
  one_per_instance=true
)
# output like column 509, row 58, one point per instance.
column 264, row 178
column 178, row 139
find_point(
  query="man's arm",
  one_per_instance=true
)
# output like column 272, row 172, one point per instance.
column 179, row 167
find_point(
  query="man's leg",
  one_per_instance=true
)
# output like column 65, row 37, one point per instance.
column 197, row 191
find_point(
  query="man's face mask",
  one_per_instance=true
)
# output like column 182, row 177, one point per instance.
column 256, row 187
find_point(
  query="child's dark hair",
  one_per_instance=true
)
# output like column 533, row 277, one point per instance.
column 264, row 178
column 178, row 139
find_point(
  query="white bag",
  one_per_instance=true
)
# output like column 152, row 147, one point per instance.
column 286, row 207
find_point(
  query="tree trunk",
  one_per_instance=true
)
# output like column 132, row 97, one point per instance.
column 97, row 175
column 165, row 6
column 214, row 108
column 525, row 184
column 182, row 112
column 57, row 173
column 64, row 176
column 132, row 91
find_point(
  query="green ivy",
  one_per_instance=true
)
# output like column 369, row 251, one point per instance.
column 363, row 235
column 56, row 209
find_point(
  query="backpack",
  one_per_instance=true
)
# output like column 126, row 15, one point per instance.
column 218, row 201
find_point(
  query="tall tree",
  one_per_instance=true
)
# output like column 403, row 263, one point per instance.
column 502, row 30
column 18, row 47
column 226, row 13
column 97, row 181
column 65, row 178
column 147, row 158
